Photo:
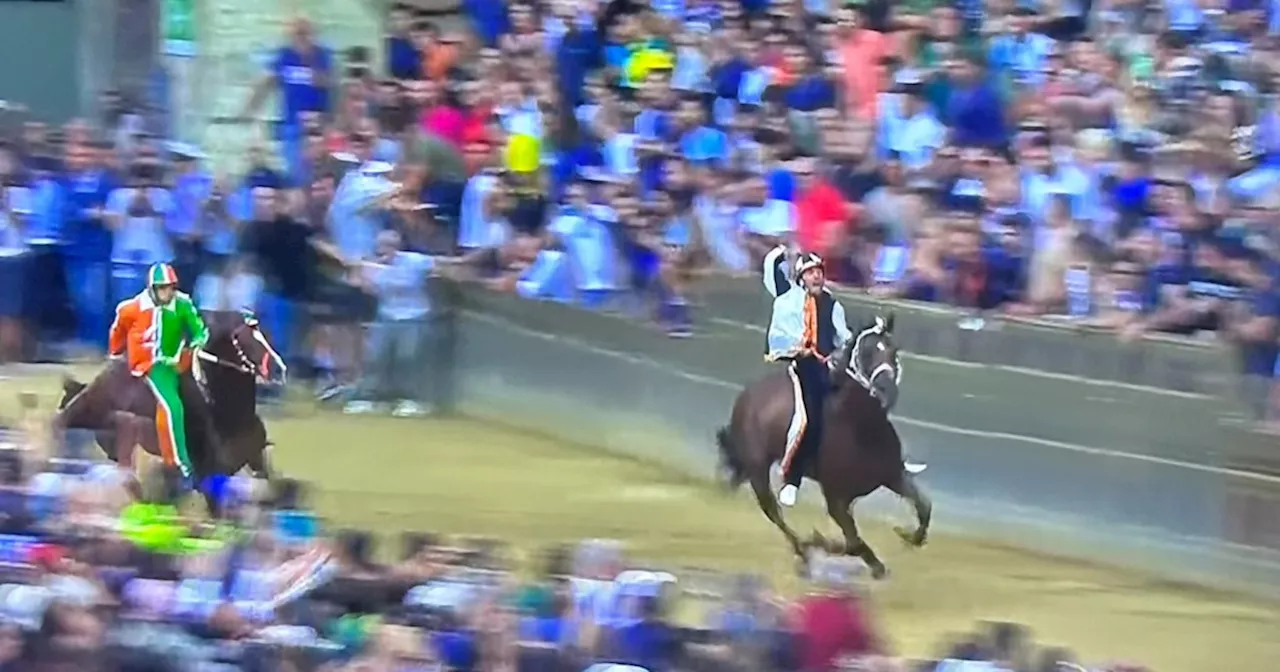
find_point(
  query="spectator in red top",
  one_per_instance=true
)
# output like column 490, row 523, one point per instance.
column 831, row 623
column 440, row 116
column 823, row 217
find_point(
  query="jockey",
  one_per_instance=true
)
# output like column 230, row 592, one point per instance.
column 808, row 324
column 151, row 329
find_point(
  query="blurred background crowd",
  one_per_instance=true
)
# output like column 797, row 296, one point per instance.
column 1114, row 162
column 83, row 587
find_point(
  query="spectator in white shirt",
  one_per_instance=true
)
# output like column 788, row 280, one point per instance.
column 908, row 126
column 592, row 250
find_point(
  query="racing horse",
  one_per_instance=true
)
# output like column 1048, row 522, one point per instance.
column 219, row 390
column 860, row 451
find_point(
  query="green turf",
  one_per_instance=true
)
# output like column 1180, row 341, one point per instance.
column 462, row 477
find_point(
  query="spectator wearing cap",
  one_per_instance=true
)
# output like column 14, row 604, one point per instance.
column 302, row 71
column 357, row 213
column 399, row 335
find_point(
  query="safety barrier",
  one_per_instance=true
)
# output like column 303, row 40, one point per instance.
column 1110, row 467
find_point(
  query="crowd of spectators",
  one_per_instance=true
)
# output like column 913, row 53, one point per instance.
column 1114, row 162
column 89, row 583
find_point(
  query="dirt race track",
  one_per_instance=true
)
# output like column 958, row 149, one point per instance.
column 460, row 476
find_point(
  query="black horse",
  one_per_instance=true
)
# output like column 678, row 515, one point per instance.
column 224, row 432
column 860, row 450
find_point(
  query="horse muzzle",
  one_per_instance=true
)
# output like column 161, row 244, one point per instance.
column 271, row 371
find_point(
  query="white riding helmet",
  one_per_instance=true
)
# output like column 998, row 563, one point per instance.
column 805, row 262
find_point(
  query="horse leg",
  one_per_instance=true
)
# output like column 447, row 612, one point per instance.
column 906, row 488
column 126, row 438
column 841, row 511
column 769, row 505
column 259, row 463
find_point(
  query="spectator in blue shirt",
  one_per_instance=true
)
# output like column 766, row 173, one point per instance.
column 577, row 53
column 302, row 71
column 700, row 143
column 403, row 59
column 650, row 642
column 489, row 19
column 591, row 247
column 811, row 90
column 87, row 244
column 1254, row 323
column 974, row 109
column 137, row 216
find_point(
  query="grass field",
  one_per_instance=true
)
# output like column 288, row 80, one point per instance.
column 460, row 476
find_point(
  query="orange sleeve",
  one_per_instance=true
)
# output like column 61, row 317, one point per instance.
column 119, row 339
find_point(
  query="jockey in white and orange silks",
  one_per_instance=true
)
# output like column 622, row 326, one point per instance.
column 807, row 326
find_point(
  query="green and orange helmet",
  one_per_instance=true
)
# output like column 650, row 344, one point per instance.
column 160, row 275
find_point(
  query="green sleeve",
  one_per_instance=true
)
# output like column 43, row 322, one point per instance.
column 196, row 330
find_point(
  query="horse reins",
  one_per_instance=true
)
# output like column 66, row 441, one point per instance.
column 245, row 366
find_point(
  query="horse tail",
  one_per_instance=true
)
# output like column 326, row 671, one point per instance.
column 730, row 461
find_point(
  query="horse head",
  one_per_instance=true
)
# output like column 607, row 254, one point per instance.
column 873, row 360
column 237, row 342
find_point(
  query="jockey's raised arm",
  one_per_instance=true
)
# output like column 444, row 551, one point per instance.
column 776, row 272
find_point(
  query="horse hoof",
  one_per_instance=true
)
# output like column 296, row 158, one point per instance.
column 879, row 571
column 910, row 537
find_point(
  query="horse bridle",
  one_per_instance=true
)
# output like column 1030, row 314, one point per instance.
column 893, row 366
column 245, row 365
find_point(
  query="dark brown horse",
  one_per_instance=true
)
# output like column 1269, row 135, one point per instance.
column 224, row 432
column 860, row 451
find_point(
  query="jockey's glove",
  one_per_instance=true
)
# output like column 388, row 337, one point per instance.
column 170, row 361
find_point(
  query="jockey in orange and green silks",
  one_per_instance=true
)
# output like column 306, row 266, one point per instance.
column 153, row 329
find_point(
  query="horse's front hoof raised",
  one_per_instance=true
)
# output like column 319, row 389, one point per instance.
column 879, row 571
